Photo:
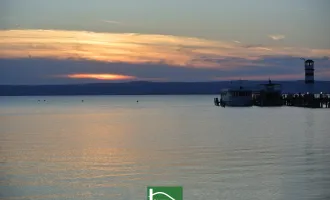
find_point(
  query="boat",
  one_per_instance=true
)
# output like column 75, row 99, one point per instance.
column 269, row 95
column 236, row 97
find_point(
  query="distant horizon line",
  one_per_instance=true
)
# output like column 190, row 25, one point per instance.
column 123, row 82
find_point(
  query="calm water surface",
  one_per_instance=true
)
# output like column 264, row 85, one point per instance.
column 111, row 147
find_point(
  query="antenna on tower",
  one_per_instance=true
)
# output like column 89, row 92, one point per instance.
column 303, row 59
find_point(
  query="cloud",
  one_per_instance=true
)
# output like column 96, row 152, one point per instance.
column 277, row 37
column 262, row 77
column 236, row 41
column 112, row 22
column 40, row 56
column 139, row 48
column 257, row 46
column 54, row 71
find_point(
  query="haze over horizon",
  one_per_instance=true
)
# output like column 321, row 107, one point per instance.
column 60, row 42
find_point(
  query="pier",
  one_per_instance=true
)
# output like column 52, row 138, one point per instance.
column 271, row 95
column 305, row 100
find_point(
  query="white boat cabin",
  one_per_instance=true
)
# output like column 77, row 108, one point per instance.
column 239, row 96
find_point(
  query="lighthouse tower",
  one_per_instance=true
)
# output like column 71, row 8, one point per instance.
column 309, row 71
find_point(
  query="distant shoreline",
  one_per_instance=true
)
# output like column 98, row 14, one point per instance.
column 152, row 88
column 107, row 95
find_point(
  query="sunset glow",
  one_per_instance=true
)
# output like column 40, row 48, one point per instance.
column 113, row 77
column 140, row 49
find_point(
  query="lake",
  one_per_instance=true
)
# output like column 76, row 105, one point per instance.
column 113, row 147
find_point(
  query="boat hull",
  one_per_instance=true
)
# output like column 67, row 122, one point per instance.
column 238, row 104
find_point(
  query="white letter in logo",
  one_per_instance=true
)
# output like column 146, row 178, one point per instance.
column 151, row 194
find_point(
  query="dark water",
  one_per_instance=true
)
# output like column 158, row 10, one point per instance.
column 112, row 147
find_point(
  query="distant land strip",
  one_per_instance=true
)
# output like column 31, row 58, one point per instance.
column 153, row 88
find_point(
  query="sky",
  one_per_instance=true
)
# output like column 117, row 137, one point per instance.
column 81, row 41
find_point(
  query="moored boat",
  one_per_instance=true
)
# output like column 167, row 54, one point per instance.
column 236, row 97
column 269, row 95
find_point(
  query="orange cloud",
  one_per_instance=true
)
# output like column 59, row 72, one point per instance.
column 114, row 77
column 138, row 48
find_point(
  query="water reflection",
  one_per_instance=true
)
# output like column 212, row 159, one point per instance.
column 112, row 148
